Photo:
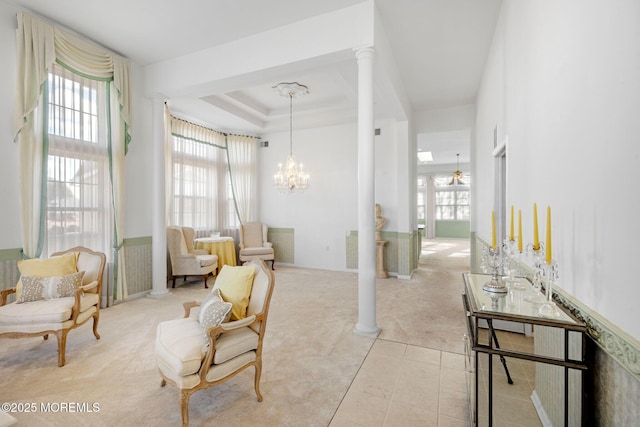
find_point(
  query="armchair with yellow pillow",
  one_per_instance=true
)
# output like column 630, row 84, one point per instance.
column 224, row 338
column 54, row 296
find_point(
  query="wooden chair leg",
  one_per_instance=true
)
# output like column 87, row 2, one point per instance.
column 184, row 406
column 272, row 263
column 62, row 344
column 258, row 366
column 96, row 317
column 206, row 276
column 174, row 281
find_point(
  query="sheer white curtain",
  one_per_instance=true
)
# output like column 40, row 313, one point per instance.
column 242, row 160
column 79, row 209
column 39, row 45
column 198, row 187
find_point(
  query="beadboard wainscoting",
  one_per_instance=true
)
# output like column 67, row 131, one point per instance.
column 283, row 244
column 401, row 252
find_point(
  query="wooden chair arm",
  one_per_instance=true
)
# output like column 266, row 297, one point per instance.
column 4, row 294
column 230, row 326
column 91, row 285
column 188, row 306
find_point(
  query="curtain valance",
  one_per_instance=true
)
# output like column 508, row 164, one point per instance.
column 40, row 44
column 185, row 129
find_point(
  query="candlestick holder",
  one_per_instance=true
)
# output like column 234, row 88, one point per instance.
column 536, row 258
column 549, row 307
column 510, row 256
column 492, row 262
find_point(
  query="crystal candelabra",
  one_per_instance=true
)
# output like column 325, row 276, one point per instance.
column 550, row 272
column 491, row 263
column 535, row 257
column 510, row 256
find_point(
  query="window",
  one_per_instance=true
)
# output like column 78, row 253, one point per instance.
column 452, row 204
column 452, row 201
column 201, row 188
column 421, row 200
column 78, row 185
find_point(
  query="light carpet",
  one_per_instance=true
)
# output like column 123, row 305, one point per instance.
column 310, row 357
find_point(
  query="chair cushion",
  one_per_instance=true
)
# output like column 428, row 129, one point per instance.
column 213, row 311
column 178, row 346
column 47, row 311
column 235, row 284
column 54, row 266
column 44, row 311
column 206, row 260
column 257, row 251
column 91, row 265
column 43, row 288
column 233, row 343
column 252, row 234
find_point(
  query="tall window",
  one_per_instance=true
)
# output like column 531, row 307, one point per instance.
column 422, row 186
column 201, row 188
column 452, row 201
column 79, row 210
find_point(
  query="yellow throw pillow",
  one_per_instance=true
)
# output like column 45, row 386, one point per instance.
column 235, row 287
column 60, row 265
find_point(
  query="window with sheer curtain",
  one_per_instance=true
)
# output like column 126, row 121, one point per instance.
column 211, row 175
column 201, row 189
column 79, row 209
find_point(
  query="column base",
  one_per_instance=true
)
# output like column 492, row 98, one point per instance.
column 158, row 294
column 366, row 332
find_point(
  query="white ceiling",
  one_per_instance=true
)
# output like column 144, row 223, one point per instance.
column 440, row 47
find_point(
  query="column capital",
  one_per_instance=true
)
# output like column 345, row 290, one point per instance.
column 365, row 53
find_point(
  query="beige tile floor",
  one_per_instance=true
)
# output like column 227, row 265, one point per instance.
column 406, row 385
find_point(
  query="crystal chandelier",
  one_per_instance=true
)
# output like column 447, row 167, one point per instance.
column 291, row 177
column 457, row 175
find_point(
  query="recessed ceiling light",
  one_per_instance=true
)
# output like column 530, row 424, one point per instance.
column 425, row 156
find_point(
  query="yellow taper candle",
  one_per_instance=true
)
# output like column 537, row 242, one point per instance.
column 493, row 230
column 519, row 230
column 536, row 240
column 548, row 242
column 511, row 226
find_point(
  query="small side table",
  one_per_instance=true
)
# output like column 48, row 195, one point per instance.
column 224, row 247
column 381, row 273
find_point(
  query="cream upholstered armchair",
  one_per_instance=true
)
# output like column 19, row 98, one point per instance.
column 253, row 243
column 200, row 351
column 189, row 235
column 184, row 263
column 54, row 296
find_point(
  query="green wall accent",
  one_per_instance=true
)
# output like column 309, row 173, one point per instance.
column 11, row 254
column 138, row 241
column 452, row 229
column 283, row 244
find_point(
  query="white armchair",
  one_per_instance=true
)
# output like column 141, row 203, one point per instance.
column 192, row 355
column 184, row 263
column 42, row 307
column 254, row 244
column 189, row 236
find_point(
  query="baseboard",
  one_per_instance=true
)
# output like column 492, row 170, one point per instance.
column 542, row 414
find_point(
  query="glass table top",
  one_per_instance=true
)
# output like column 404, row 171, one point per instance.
column 517, row 302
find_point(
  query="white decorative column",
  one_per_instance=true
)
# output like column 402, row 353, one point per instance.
column 159, row 222
column 366, row 198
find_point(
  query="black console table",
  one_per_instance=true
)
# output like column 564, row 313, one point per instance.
column 483, row 308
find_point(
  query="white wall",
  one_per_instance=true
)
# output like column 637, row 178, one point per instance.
column 138, row 160
column 562, row 83
column 328, row 209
